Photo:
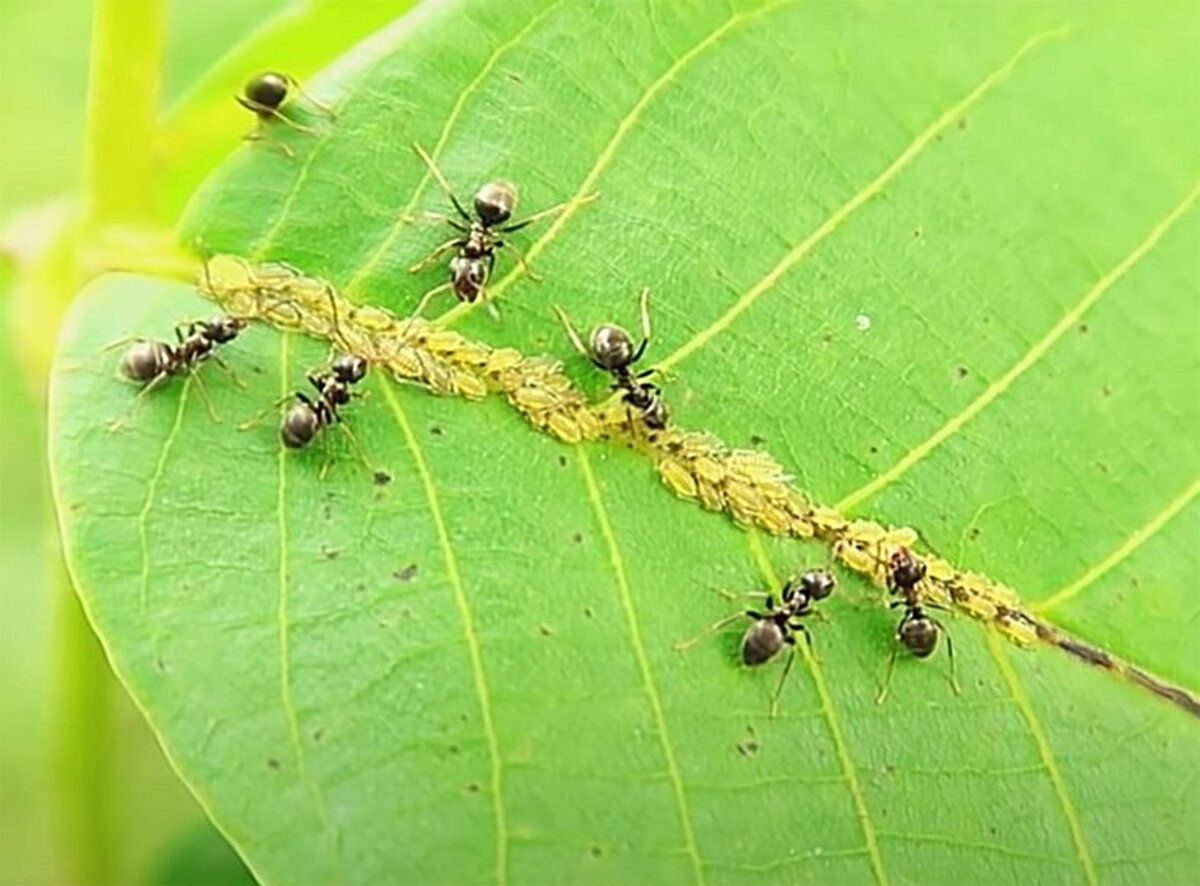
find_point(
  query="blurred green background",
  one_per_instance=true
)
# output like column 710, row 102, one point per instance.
column 86, row 796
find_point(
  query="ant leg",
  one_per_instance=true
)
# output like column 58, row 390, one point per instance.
column 261, row 109
column 358, row 447
column 950, row 652
column 787, row 669
column 123, row 340
column 438, row 252
column 644, row 300
column 146, row 389
column 571, row 333
column 436, row 217
column 258, row 136
column 441, row 180
column 887, row 680
column 708, row 631
column 327, row 462
column 274, row 407
column 228, row 370
column 545, row 213
column 734, row 595
column 202, row 390
column 316, row 103
column 522, row 260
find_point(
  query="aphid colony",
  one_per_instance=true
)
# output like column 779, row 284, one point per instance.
column 748, row 484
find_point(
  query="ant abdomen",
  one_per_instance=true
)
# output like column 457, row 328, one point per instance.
column 919, row 635
column 495, row 202
column 146, row 360
column 761, row 643
column 300, row 426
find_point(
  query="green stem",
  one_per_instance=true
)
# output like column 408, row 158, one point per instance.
column 83, row 740
column 122, row 107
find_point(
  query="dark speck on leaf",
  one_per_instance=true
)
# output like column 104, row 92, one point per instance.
column 1084, row 328
column 747, row 748
column 1102, row 467
column 962, row 123
column 587, row 610
column 562, row 461
column 827, row 338
column 756, row 440
column 436, row 430
column 874, row 450
column 160, row 664
column 545, row 631
column 473, row 787
column 327, row 511
column 272, row 763
column 578, row 537
column 973, row 533
column 917, row 233
column 597, row 852
column 454, row 749
column 1106, row 391
column 382, row 478
column 962, row 371
column 329, row 553
column 407, row 573
column 318, row 734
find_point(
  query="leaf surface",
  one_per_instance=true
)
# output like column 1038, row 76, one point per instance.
column 934, row 258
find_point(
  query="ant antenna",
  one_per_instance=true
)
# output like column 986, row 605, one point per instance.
column 336, row 330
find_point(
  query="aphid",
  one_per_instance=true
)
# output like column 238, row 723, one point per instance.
column 151, row 363
column 776, row 625
column 478, row 237
column 611, row 348
column 265, row 94
column 918, row 631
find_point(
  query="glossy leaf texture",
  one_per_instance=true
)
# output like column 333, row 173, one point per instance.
column 938, row 259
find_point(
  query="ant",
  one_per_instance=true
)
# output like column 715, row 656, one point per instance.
column 917, row 631
column 265, row 94
column 472, row 267
column 777, row 625
column 611, row 349
column 151, row 363
column 335, row 389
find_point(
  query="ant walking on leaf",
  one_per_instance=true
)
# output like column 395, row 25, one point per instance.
column 776, row 625
column 611, row 349
column 477, row 238
column 918, row 631
column 265, row 96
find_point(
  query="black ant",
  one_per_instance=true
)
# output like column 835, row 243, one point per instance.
column 265, row 94
column 611, row 348
column 777, row 625
column 335, row 389
column 153, row 362
column 917, row 631
column 472, row 267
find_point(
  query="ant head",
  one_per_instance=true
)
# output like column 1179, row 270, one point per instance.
column 495, row 202
column 268, row 89
column 905, row 570
column 611, row 347
column 919, row 635
column 349, row 368
column 145, row 360
column 224, row 328
column 468, row 276
column 817, row 584
column 299, row 426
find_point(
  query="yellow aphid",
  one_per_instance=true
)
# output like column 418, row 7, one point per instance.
column 405, row 362
column 938, row 569
column 589, row 425
column 710, row 495
column 743, row 498
column 775, row 520
column 536, row 399
column 855, row 557
column 563, row 427
column 901, row 536
column 502, row 359
column 1018, row 631
column 827, row 520
column 677, row 477
column 470, row 386
column 707, row 469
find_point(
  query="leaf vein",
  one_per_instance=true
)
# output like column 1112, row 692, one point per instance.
column 152, row 491
column 1027, row 361
column 639, row 651
column 831, row 224
column 1124, row 550
column 1044, row 751
column 609, row 151
column 389, row 239
column 849, row 770
column 470, row 632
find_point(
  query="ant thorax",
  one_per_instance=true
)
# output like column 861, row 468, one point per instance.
column 478, row 242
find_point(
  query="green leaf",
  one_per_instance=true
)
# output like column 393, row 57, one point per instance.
column 949, row 246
